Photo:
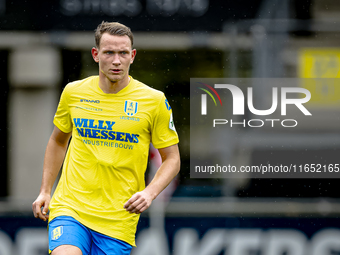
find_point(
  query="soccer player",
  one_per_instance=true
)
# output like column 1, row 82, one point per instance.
column 112, row 119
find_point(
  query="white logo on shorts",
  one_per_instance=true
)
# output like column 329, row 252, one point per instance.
column 57, row 232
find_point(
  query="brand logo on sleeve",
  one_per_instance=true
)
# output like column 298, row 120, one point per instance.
column 130, row 107
column 167, row 105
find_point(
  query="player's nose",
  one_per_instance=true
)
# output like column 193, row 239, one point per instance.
column 116, row 59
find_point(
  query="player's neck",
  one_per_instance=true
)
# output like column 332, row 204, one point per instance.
column 112, row 87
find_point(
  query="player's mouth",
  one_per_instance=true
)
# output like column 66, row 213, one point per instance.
column 115, row 71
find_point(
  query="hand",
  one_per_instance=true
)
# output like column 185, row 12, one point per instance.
column 43, row 200
column 138, row 203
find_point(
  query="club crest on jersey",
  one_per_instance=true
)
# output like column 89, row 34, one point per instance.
column 57, row 232
column 130, row 107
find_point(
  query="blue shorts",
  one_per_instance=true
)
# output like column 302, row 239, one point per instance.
column 65, row 230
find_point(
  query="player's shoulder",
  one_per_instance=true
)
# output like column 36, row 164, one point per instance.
column 149, row 91
column 75, row 85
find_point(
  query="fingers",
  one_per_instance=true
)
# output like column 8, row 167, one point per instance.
column 37, row 211
column 40, row 212
column 140, row 208
column 34, row 210
column 138, row 203
column 131, row 200
column 45, row 210
column 137, row 206
column 144, row 208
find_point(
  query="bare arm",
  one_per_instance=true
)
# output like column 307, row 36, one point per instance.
column 141, row 201
column 54, row 157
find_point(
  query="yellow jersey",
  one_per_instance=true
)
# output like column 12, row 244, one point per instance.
column 107, row 156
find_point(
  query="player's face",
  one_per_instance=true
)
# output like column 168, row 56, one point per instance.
column 114, row 56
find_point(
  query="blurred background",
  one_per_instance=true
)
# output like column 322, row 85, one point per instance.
column 46, row 44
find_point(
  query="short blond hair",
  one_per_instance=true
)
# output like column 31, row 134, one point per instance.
column 112, row 28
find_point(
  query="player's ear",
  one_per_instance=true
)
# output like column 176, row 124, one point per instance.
column 94, row 53
column 133, row 55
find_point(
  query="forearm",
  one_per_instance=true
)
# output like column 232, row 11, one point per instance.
column 141, row 201
column 165, row 174
column 54, row 157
